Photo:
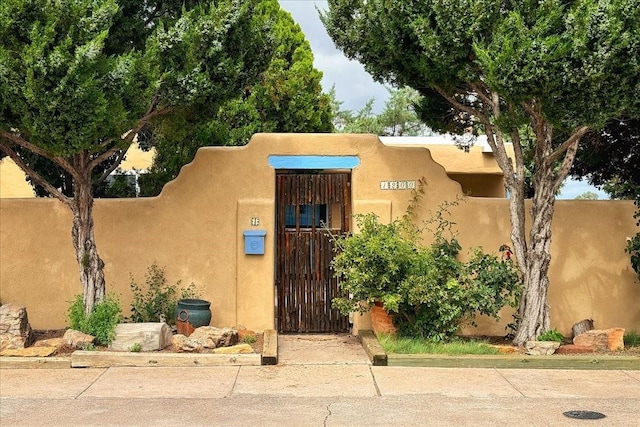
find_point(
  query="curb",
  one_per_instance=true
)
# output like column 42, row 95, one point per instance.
column 378, row 357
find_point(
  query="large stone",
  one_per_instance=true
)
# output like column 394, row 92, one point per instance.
column 574, row 349
column 77, row 339
column 150, row 336
column 601, row 339
column 615, row 339
column 15, row 331
column 234, row 349
column 40, row 351
column 541, row 348
column 51, row 342
column 212, row 337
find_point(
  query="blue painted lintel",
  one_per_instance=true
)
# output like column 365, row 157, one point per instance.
column 313, row 162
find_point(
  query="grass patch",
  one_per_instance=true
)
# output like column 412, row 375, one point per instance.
column 403, row 345
column 632, row 339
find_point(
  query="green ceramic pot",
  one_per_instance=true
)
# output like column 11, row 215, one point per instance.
column 194, row 312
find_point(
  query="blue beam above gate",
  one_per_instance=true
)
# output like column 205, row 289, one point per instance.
column 313, row 162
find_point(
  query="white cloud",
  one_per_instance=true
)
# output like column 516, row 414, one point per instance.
column 354, row 86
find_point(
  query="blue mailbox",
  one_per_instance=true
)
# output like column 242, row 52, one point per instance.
column 254, row 242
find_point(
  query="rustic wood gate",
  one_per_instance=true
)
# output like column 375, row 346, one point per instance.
column 305, row 284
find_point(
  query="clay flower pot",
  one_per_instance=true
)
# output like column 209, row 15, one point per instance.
column 381, row 320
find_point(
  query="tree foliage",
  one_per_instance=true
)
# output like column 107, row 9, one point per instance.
column 398, row 118
column 287, row 97
column 554, row 68
column 610, row 158
column 81, row 78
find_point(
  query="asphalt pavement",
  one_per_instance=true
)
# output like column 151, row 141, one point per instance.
column 321, row 380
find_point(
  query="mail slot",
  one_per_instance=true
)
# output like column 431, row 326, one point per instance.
column 254, row 242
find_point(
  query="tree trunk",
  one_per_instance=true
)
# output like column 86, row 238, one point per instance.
column 90, row 265
column 533, row 310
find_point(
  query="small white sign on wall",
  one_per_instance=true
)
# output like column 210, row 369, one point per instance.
column 398, row 185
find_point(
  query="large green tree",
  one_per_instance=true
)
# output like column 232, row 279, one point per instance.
column 556, row 68
column 398, row 118
column 287, row 97
column 80, row 78
column 610, row 158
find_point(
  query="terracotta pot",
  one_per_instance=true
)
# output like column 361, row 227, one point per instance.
column 381, row 321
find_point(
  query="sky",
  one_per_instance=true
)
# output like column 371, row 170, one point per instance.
column 354, row 87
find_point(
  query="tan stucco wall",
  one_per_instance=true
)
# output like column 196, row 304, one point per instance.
column 194, row 229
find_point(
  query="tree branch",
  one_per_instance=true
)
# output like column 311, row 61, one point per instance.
column 21, row 142
column 573, row 139
column 128, row 139
column 571, row 150
column 34, row 175
column 460, row 106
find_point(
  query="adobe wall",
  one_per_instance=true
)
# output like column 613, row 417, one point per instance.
column 194, row 229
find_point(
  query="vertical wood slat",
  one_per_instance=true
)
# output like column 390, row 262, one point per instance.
column 305, row 283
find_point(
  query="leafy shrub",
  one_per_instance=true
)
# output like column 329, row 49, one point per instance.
column 552, row 335
column 157, row 300
column 633, row 245
column 429, row 291
column 102, row 321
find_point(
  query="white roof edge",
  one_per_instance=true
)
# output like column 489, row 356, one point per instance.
column 442, row 139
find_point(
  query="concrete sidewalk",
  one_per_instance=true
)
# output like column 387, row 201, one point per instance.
column 334, row 387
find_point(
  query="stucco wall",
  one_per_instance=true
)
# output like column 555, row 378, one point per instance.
column 194, row 229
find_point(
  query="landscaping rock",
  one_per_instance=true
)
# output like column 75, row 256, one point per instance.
column 15, row 331
column 29, row 352
column 234, row 349
column 182, row 343
column 151, row 336
column 541, row 348
column 77, row 339
column 602, row 339
column 212, row 337
column 574, row 349
column 507, row 349
column 51, row 342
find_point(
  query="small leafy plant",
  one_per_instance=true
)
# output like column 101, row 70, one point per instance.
column 633, row 244
column 551, row 335
column 250, row 339
column 88, row 346
column 102, row 321
column 135, row 347
column 157, row 300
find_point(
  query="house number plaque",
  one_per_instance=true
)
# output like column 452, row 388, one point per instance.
column 397, row 185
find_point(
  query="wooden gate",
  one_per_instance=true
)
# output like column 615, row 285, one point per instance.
column 304, row 281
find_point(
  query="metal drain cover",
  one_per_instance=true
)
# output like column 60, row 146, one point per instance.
column 584, row 415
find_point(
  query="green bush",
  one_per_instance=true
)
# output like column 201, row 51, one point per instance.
column 427, row 289
column 633, row 245
column 157, row 300
column 102, row 321
column 552, row 335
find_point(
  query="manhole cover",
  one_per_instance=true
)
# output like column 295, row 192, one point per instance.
column 584, row 415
